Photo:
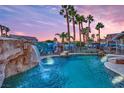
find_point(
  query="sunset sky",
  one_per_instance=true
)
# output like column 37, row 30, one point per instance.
column 44, row 22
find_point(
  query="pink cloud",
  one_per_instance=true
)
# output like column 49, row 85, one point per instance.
column 44, row 21
column 19, row 33
column 111, row 16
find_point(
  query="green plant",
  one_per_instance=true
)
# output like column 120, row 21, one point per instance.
column 65, row 12
column 98, row 27
column 72, row 14
column 78, row 43
column 49, row 41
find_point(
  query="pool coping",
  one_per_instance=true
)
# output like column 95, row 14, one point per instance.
column 111, row 65
column 117, row 68
column 46, row 56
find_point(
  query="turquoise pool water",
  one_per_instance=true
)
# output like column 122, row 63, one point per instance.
column 63, row 72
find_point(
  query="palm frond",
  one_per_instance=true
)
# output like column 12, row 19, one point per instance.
column 57, row 34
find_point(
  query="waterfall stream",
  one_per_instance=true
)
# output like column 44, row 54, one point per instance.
column 36, row 52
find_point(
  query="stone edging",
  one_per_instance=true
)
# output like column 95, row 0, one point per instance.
column 68, row 55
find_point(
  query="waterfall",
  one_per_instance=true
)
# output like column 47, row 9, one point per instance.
column 38, row 58
column 37, row 53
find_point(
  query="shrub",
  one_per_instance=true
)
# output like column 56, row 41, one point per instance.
column 78, row 43
column 49, row 41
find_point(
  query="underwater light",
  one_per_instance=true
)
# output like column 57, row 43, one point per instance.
column 117, row 79
column 50, row 61
column 104, row 59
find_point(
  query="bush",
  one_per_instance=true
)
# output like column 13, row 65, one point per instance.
column 78, row 43
column 90, row 40
column 49, row 41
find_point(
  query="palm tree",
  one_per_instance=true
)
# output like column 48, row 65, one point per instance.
column 72, row 14
column 98, row 27
column 89, row 19
column 78, row 20
column 97, row 35
column 71, row 37
column 63, row 36
column 2, row 28
column 93, row 37
column 85, row 32
column 90, row 40
column 7, row 30
column 83, row 20
column 65, row 12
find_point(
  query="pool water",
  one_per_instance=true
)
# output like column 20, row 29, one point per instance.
column 63, row 72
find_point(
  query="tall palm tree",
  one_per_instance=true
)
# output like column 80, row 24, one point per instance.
column 83, row 20
column 63, row 36
column 93, row 37
column 65, row 12
column 85, row 32
column 2, row 29
column 97, row 35
column 7, row 30
column 72, row 14
column 78, row 20
column 98, row 27
column 89, row 20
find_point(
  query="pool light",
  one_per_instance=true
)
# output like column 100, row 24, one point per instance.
column 117, row 79
column 50, row 61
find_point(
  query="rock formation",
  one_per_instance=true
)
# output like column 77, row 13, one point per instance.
column 16, row 56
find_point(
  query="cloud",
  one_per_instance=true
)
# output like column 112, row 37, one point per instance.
column 44, row 21
column 19, row 33
column 111, row 16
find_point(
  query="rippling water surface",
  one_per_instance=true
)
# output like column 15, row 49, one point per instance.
column 67, row 72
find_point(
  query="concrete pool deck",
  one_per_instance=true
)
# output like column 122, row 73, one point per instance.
column 111, row 65
column 117, row 68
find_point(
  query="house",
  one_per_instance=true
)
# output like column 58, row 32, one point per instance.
column 28, row 38
column 119, row 43
column 119, row 37
column 116, row 41
column 109, row 37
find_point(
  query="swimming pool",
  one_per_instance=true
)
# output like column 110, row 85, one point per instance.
column 75, row 71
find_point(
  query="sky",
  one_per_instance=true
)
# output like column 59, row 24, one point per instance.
column 44, row 22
